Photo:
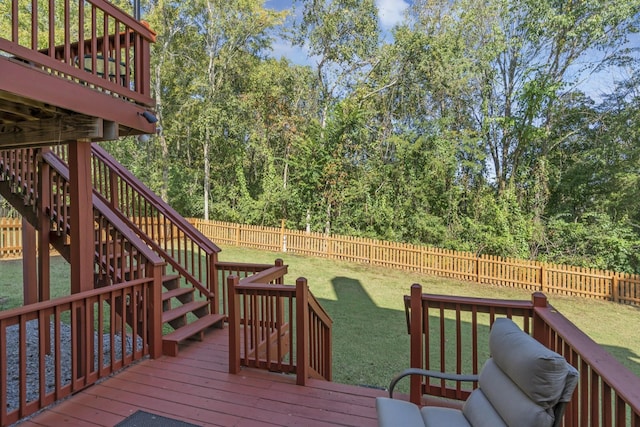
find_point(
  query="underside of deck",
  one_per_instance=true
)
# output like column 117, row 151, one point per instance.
column 196, row 387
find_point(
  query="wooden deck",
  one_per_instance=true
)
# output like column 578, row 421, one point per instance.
column 196, row 387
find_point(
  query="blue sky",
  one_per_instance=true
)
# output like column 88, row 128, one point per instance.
column 390, row 13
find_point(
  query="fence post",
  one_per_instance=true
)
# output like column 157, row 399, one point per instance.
column 302, row 332
column 478, row 261
column 543, row 278
column 283, row 238
column 415, row 328
column 614, row 288
column 237, row 234
column 234, row 324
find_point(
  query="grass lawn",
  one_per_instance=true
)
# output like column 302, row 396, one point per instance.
column 370, row 341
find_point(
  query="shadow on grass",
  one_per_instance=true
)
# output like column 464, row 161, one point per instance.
column 627, row 357
column 370, row 343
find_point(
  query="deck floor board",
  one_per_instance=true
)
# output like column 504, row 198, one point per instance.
column 196, row 387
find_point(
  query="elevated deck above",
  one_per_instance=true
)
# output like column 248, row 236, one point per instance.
column 72, row 71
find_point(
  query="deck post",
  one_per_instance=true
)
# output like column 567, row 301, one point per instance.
column 212, row 283
column 539, row 326
column 44, row 228
column 155, row 312
column 81, row 216
column 82, row 237
column 415, row 387
column 234, row 324
column 29, row 276
column 302, row 332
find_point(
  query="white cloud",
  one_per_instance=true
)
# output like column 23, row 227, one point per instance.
column 391, row 12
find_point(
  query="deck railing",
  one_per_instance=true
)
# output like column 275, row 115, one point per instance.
column 91, row 42
column 60, row 346
column 608, row 393
column 278, row 327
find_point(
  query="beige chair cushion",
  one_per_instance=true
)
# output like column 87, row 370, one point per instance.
column 539, row 372
column 511, row 403
column 395, row 412
column 434, row 416
column 479, row 411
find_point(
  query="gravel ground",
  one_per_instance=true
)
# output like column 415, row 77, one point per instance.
column 33, row 371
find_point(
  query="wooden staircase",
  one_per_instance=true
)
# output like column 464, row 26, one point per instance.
column 188, row 305
column 178, row 305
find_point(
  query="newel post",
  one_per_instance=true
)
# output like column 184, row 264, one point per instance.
column 279, row 263
column 155, row 311
column 415, row 388
column 539, row 327
column 234, row 324
column 302, row 332
column 212, row 282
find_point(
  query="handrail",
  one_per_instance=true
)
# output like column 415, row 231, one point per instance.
column 85, row 34
column 608, row 393
column 179, row 243
column 241, row 270
column 317, row 325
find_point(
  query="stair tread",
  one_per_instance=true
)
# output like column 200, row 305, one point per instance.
column 193, row 328
column 170, row 277
column 177, row 312
column 166, row 295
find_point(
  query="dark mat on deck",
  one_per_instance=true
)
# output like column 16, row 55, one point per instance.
column 146, row 419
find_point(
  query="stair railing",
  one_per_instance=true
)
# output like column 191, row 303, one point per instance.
column 281, row 328
column 121, row 255
column 18, row 167
column 179, row 243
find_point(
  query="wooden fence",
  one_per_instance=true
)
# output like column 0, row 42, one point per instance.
column 487, row 269
column 529, row 275
column 10, row 237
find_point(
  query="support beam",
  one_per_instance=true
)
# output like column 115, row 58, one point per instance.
column 29, row 265
column 51, row 131
column 82, row 240
column 81, row 216
column 44, row 254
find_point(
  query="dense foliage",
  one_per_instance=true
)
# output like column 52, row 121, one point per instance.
column 506, row 127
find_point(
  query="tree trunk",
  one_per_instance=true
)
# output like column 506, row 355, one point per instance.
column 207, row 183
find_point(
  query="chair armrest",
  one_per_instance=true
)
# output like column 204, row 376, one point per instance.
column 430, row 374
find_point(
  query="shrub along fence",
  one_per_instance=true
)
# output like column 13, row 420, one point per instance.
column 530, row 275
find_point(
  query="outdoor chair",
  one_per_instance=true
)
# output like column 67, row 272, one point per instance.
column 523, row 384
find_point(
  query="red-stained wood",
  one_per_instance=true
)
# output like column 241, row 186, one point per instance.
column 196, row 387
column 29, row 270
